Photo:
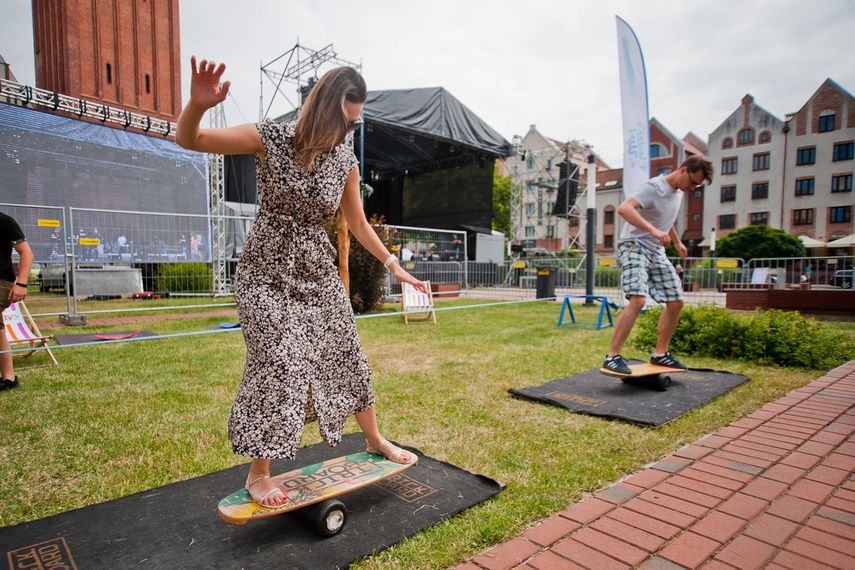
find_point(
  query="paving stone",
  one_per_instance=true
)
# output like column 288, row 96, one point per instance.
column 689, row 549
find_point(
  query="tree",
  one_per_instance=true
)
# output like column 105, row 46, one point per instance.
column 502, row 210
column 759, row 241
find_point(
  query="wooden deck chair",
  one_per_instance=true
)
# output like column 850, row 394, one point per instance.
column 20, row 335
column 414, row 300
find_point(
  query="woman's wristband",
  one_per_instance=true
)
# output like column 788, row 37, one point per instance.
column 24, row 285
column 389, row 261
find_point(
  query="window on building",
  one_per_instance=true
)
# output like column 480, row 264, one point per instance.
column 840, row 214
column 609, row 241
column 699, row 193
column 530, row 164
column 609, row 217
column 147, row 84
column 529, row 186
column 550, row 207
column 759, row 190
column 844, row 151
column 804, row 187
column 806, row 155
column 529, row 231
column 760, row 218
column 727, row 222
column 765, row 137
column 727, row 143
column 696, row 217
column 529, row 209
column 803, row 217
column 761, row 161
column 664, row 170
column 656, row 150
column 550, row 230
column 729, row 165
column 826, row 122
column 574, row 222
column 746, row 136
column 841, row 183
column 728, row 193
column 109, row 74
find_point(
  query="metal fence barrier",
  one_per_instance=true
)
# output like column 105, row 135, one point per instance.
column 171, row 255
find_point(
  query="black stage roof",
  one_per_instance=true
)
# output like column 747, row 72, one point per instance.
column 417, row 142
column 422, row 130
column 409, row 131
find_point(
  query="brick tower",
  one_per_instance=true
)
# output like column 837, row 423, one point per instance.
column 123, row 53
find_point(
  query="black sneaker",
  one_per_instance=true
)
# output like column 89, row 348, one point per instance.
column 617, row 364
column 9, row 384
column 667, row 360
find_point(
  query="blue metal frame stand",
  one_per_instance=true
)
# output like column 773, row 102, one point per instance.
column 604, row 310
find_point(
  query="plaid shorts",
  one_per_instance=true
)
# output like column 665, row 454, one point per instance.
column 648, row 273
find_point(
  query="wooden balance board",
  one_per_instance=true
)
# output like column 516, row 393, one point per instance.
column 655, row 375
column 316, row 484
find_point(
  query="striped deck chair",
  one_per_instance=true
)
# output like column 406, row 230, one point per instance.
column 20, row 335
column 414, row 300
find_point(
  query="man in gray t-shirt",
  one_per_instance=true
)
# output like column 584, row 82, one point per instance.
column 650, row 213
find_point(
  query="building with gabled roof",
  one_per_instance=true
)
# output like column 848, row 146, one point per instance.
column 817, row 198
column 793, row 174
column 544, row 215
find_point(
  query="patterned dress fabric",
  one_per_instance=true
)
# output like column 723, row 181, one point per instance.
column 304, row 361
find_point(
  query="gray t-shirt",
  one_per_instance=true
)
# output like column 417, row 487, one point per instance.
column 660, row 204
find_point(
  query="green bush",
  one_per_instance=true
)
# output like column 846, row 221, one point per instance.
column 367, row 273
column 784, row 338
column 607, row 276
column 184, row 278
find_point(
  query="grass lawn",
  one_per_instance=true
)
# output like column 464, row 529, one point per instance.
column 117, row 419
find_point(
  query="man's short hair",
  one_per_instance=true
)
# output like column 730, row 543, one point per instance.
column 697, row 163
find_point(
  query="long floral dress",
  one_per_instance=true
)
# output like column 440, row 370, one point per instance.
column 304, row 361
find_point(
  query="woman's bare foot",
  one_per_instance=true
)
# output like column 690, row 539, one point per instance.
column 264, row 492
column 389, row 451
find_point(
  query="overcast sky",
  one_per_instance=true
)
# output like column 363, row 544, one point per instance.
column 552, row 63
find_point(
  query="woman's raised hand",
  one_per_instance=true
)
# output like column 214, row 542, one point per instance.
column 205, row 88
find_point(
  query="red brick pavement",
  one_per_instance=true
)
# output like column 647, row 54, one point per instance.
column 773, row 490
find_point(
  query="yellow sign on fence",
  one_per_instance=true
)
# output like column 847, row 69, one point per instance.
column 49, row 223
column 726, row 263
column 90, row 241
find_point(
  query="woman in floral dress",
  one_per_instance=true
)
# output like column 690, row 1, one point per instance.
column 304, row 361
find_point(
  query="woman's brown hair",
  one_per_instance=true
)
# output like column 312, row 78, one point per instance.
column 322, row 125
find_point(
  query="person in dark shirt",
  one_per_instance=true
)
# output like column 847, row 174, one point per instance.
column 12, row 288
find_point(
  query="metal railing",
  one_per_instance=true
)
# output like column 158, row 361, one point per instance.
column 171, row 255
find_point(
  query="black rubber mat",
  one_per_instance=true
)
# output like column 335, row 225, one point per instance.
column 177, row 526
column 596, row 394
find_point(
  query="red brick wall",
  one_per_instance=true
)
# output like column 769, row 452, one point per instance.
column 746, row 300
column 672, row 159
column 48, row 39
column 811, row 302
column 828, row 98
column 75, row 40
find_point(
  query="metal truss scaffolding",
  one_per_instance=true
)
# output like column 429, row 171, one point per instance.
column 28, row 96
column 300, row 61
column 217, row 184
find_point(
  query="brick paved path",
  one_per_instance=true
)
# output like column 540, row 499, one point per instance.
column 773, row 490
